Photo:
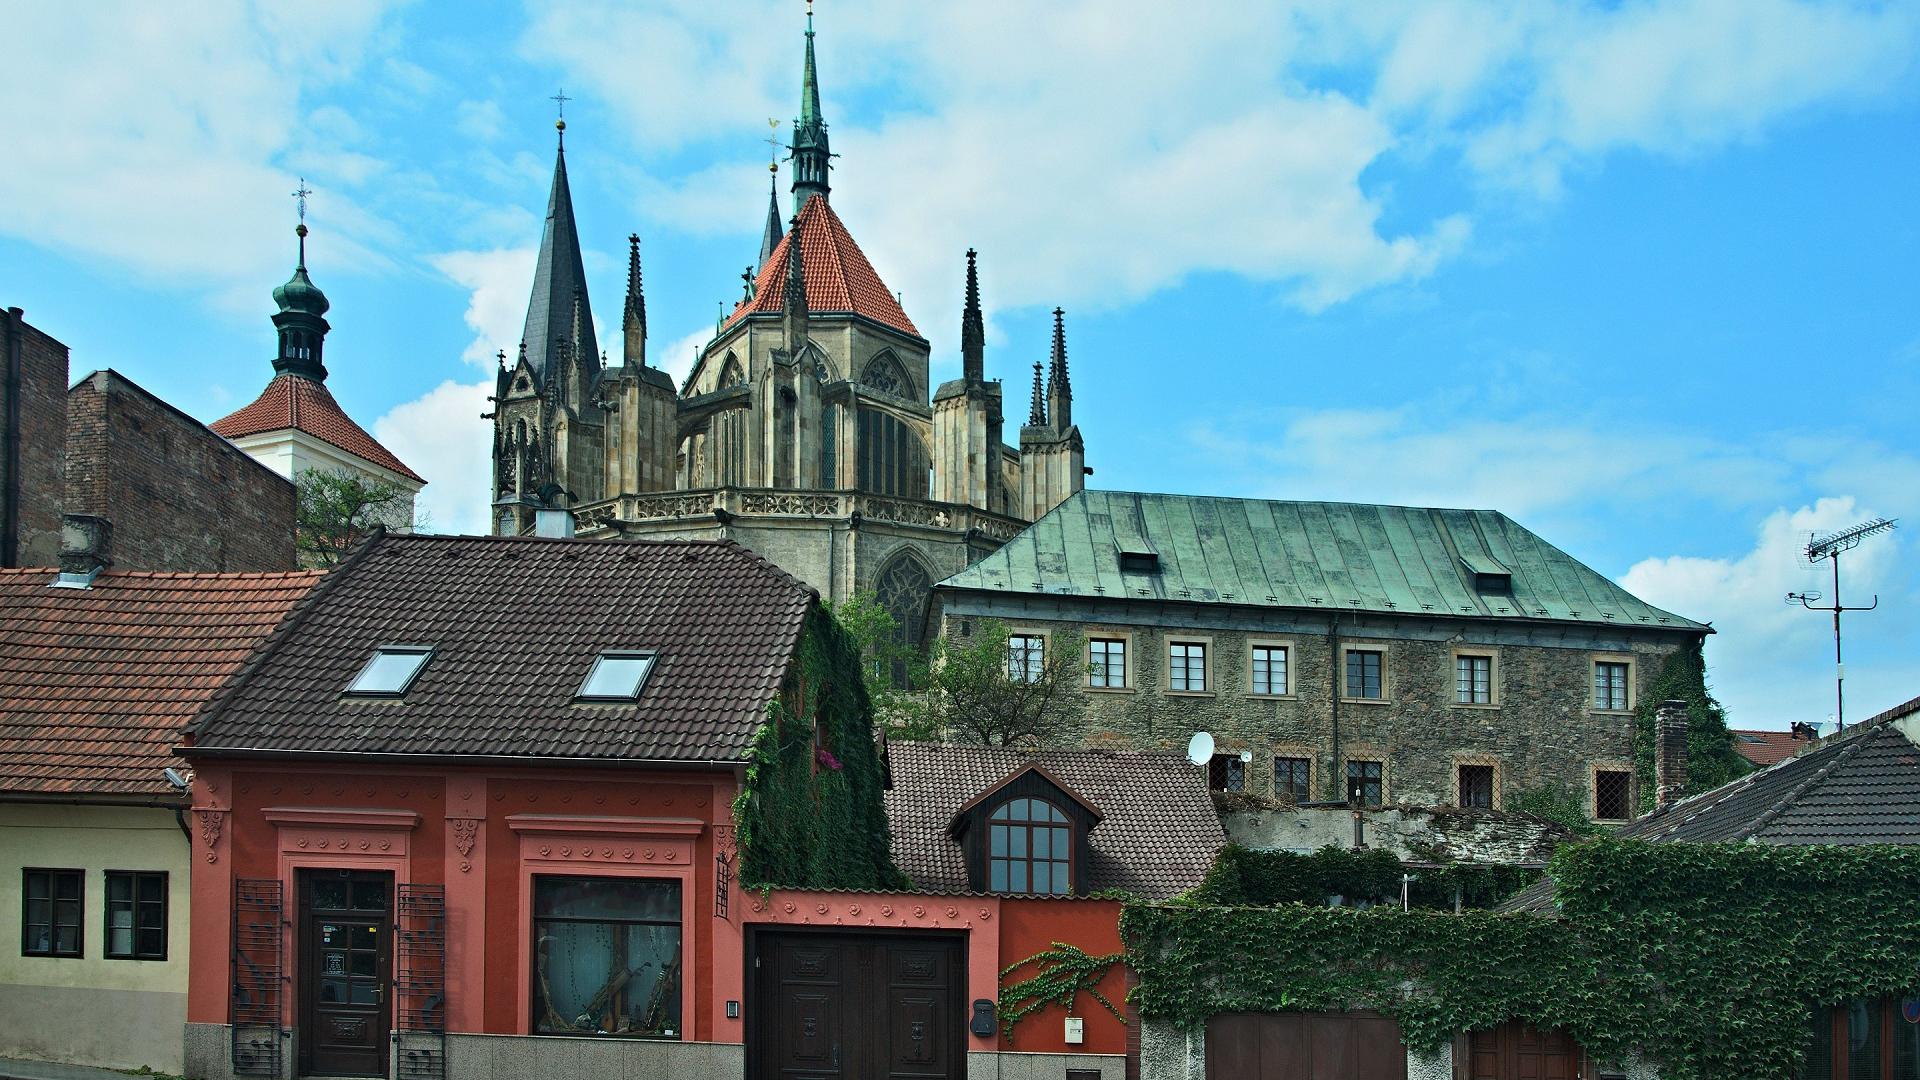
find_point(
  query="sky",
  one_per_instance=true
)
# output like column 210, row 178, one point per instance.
column 1643, row 275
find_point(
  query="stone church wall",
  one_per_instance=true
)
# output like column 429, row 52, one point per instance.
column 33, row 396
column 1540, row 730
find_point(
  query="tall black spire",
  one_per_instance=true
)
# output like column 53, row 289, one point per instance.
column 796, row 294
column 558, row 277
column 1037, row 413
column 1059, row 387
column 810, row 157
column 973, row 332
column 770, row 236
column 635, row 322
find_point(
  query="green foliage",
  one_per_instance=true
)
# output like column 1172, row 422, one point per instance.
column 1703, row 957
column 1558, row 803
column 1243, row 877
column 1711, row 758
column 335, row 509
column 1061, row 974
column 970, row 695
column 876, row 638
column 810, row 813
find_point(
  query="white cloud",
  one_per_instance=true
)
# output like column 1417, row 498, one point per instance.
column 677, row 357
column 442, row 437
column 1772, row 662
column 497, row 309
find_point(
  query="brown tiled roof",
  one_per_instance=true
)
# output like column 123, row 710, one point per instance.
column 297, row 402
column 515, row 623
column 837, row 274
column 1157, row 838
column 1860, row 787
column 1765, row 748
column 97, row 684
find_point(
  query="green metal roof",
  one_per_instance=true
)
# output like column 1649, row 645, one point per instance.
column 1319, row 556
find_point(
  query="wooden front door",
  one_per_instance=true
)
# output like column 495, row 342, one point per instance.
column 1517, row 1051
column 828, row 1006
column 345, row 972
column 1305, row 1046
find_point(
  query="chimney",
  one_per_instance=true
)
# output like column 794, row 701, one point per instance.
column 86, row 544
column 553, row 522
column 1669, row 752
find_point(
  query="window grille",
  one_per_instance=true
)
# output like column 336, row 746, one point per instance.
column 1365, row 785
column 1612, row 790
column 1292, row 778
column 1476, row 786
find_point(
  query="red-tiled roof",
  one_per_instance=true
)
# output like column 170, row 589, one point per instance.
column 1765, row 748
column 97, row 685
column 293, row 401
column 515, row 624
column 837, row 273
column 1157, row 837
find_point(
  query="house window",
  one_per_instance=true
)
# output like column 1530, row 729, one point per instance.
column 616, row 676
column 1227, row 772
column 1270, row 669
column 1107, row 663
column 1187, row 666
column 1292, row 777
column 1364, row 668
column 606, row 957
column 1610, row 680
column 1476, row 786
column 1026, row 657
column 136, row 915
column 1030, row 848
column 1612, row 789
column 1364, row 783
column 1863, row 1039
column 392, row 669
column 50, row 919
column 1473, row 680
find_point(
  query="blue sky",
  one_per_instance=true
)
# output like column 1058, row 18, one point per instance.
column 1646, row 275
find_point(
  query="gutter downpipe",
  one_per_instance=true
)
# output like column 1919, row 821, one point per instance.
column 10, row 496
column 1333, row 665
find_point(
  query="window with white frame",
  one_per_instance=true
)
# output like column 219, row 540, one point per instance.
column 1026, row 657
column 1472, row 679
column 1187, row 666
column 1366, row 674
column 1611, row 679
column 1269, row 669
column 1107, row 663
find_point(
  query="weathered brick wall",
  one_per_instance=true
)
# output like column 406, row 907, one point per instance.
column 179, row 496
column 40, row 383
column 1542, row 730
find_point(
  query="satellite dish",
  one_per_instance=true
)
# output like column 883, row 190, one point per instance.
column 1200, row 748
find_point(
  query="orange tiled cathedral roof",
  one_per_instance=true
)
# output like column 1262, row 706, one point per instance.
column 836, row 272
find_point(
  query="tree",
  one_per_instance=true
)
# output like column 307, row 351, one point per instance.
column 1711, row 757
column 876, row 634
column 336, row 509
column 976, row 693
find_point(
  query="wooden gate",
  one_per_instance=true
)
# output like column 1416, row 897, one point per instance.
column 828, row 1006
column 1305, row 1046
column 1517, row 1051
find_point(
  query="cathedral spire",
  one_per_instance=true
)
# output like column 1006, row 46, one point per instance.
column 1037, row 412
column 1059, row 387
column 810, row 153
column 973, row 333
column 770, row 236
column 635, row 323
column 558, row 277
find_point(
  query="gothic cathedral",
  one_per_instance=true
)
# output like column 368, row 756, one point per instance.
column 808, row 430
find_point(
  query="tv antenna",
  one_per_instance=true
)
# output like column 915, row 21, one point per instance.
column 1829, row 547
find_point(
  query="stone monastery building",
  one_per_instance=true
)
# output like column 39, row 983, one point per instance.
column 809, row 428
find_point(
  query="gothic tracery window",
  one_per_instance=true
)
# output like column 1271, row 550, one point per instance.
column 884, row 373
column 902, row 587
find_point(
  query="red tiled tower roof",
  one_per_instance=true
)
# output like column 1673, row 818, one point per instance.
column 1765, row 748
column 836, row 272
column 292, row 401
column 97, row 685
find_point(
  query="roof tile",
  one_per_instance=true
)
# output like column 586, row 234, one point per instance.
column 837, row 274
column 299, row 403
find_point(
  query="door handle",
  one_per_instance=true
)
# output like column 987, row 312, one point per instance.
column 833, row 1057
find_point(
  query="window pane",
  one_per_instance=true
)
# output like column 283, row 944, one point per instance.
column 1863, row 1040
column 607, row 978
column 1017, row 877
column 1017, row 843
column 616, row 898
column 370, row 896
column 1043, row 877
column 1060, row 844
column 997, row 876
column 120, row 940
column 38, row 884
column 66, row 885
column 153, row 942
column 329, row 894
column 388, row 672
column 119, row 888
column 998, row 847
column 1061, row 884
column 615, row 676
column 1052, row 813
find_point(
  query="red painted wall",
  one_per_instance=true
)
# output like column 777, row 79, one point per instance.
column 1028, row 927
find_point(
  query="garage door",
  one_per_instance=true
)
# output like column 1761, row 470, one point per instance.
column 1521, row 1052
column 828, row 1006
column 1305, row 1046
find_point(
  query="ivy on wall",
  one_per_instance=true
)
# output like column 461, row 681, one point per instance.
column 1711, row 757
column 1246, row 877
column 810, row 814
column 1060, row 975
column 1704, row 958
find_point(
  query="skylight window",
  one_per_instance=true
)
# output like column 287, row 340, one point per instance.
column 616, row 676
column 392, row 669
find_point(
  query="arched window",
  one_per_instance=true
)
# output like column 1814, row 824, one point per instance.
column 890, row 456
column 732, row 374
column 903, row 587
column 830, row 447
column 884, row 373
column 1029, row 848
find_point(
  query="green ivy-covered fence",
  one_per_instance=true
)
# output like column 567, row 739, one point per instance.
column 1703, row 957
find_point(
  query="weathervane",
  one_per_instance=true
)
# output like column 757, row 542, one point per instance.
column 1829, row 547
column 773, row 146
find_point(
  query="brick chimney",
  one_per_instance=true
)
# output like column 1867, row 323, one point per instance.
column 86, row 548
column 1669, row 752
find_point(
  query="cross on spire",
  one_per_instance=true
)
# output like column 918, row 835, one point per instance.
column 300, row 195
column 560, row 103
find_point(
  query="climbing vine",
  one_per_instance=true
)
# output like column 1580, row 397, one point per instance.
column 1703, row 957
column 1243, row 876
column 1061, row 974
column 810, row 813
column 1711, row 757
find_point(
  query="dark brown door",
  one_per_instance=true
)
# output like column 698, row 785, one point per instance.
column 1519, row 1051
column 1305, row 1046
column 345, row 972
column 827, row 1006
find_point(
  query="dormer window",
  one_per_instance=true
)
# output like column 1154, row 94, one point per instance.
column 1029, row 848
column 616, row 676
column 391, row 670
